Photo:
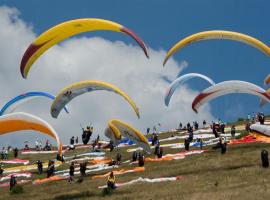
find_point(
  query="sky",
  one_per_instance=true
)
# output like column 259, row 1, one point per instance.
column 116, row 58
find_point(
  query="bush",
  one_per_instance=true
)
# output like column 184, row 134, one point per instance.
column 107, row 191
column 16, row 190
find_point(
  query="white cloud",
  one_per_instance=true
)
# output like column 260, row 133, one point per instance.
column 84, row 58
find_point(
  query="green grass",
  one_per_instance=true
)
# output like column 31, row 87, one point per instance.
column 235, row 175
column 77, row 195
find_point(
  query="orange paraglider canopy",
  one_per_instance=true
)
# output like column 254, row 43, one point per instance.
column 24, row 121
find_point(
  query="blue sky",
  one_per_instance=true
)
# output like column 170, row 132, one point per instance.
column 162, row 23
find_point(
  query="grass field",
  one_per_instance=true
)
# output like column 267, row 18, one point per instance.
column 235, row 175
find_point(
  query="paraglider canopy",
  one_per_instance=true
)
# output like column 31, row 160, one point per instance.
column 79, row 88
column 23, row 121
column 180, row 80
column 218, row 34
column 67, row 29
column 228, row 87
column 24, row 98
column 261, row 129
column 117, row 128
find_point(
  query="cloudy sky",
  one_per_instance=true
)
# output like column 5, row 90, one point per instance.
column 116, row 58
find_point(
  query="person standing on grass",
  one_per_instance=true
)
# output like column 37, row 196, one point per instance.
column 16, row 152
column 111, row 145
column 37, row 145
column 204, row 124
column 196, row 125
column 214, row 130
column 134, row 156
column 186, row 144
column 180, row 126
column 83, row 168
column 6, row 154
column 1, row 170
column 2, row 153
column 12, row 182
column 188, row 125
column 261, row 118
column 51, row 169
column 223, row 145
column 190, row 134
column 233, row 131
column 264, row 158
column 40, row 145
column 154, row 139
column 71, row 172
column 157, row 147
column 118, row 158
column 222, row 128
column 40, row 167
column 141, row 160
column 160, row 152
column 72, row 140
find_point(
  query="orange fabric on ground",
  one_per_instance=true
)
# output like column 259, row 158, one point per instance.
column 260, row 137
column 103, row 161
column 243, row 140
column 158, row 159
column 45, row 180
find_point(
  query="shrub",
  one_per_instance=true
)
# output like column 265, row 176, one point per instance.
column 107, row 191
column 16, row 190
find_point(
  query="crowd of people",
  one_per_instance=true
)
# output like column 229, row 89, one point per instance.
column 38, row 145
column 4, row 153
column 218, row 128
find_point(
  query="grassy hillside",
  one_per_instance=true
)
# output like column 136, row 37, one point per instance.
column 235, row 175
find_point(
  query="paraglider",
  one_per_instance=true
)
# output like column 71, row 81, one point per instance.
column 87, row 133
column 180, row 80
column 218, row 34
column 23, row 121
column 117, row 128
column 65, row 30
column 114, row 136
column 228, row 87
column 261, row 129
column 23, row 98
column 79, row 88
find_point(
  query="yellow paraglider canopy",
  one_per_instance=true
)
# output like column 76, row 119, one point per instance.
column 120, row 128
column 218, row 34
column 78, row 88
column 67, row 29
